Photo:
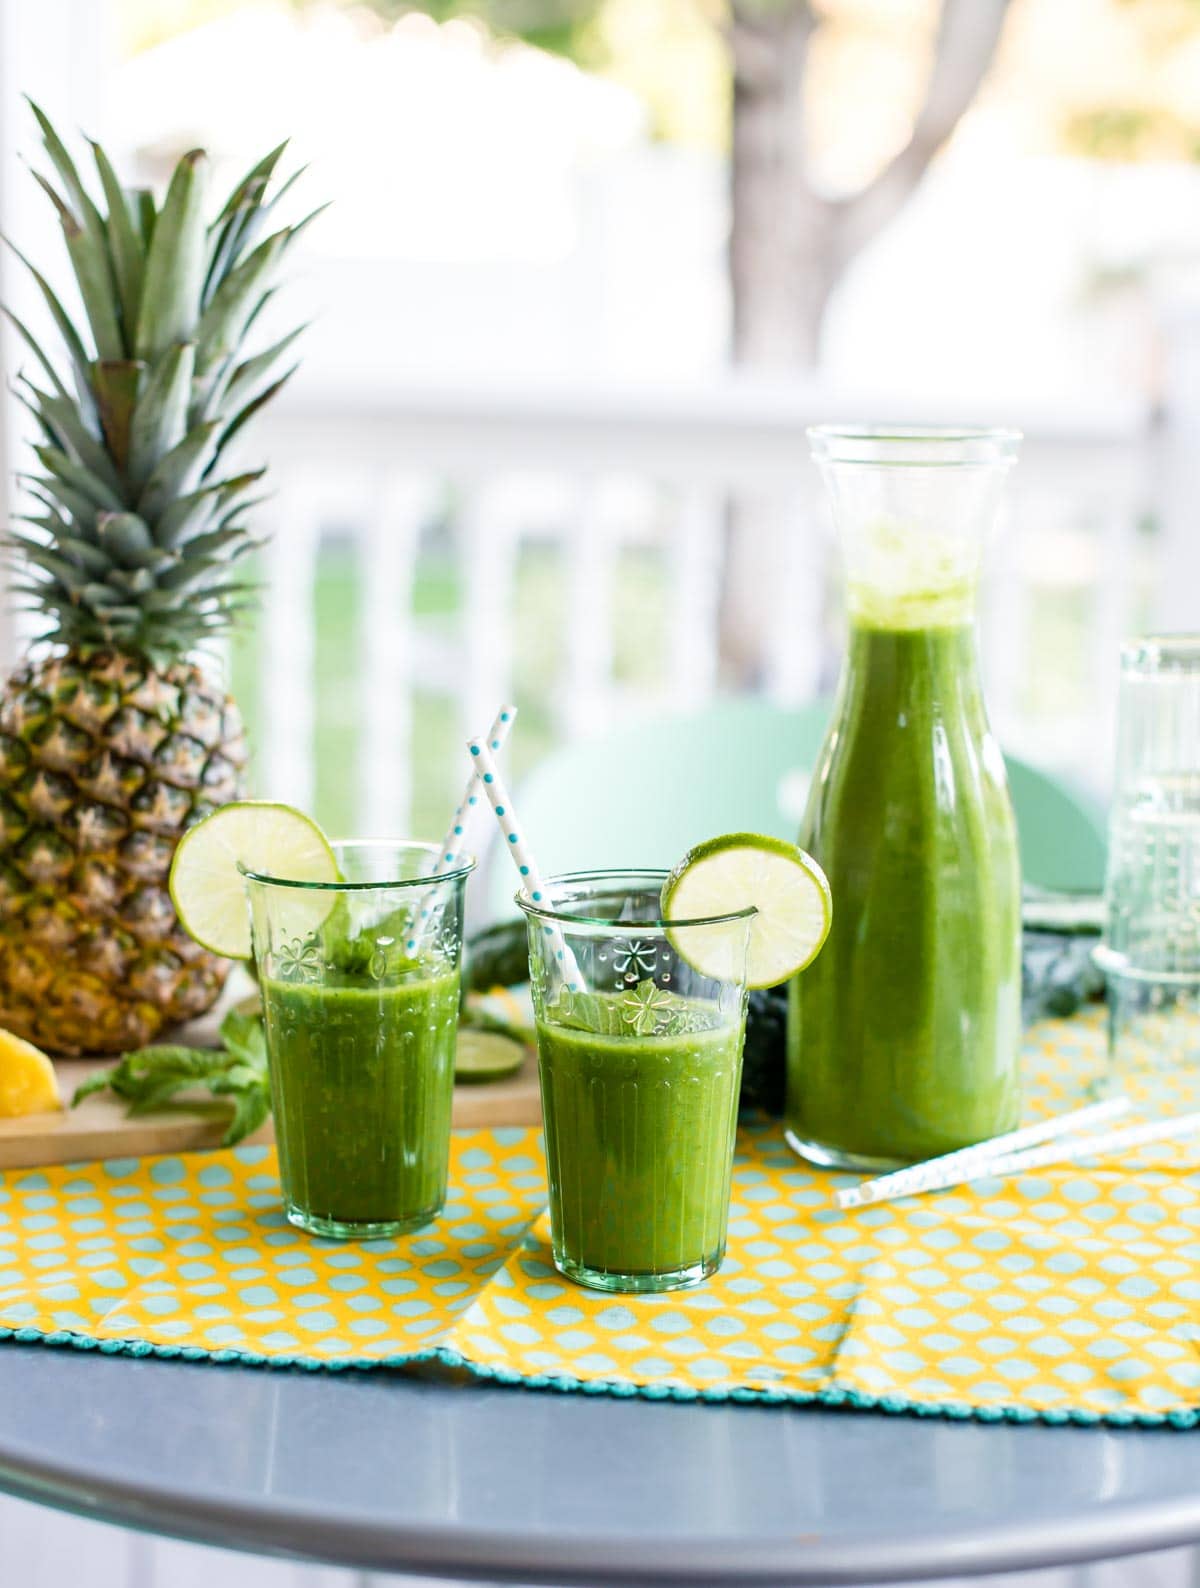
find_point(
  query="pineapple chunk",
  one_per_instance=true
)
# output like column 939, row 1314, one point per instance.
column 28, row 1084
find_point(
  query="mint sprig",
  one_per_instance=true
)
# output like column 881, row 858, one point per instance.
column 152, row 1078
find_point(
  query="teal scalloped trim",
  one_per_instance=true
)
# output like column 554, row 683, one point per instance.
column 959, row 1411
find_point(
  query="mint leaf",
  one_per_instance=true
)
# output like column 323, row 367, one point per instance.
column 152, row 1078
column 250, row 1110
column 245, row 1038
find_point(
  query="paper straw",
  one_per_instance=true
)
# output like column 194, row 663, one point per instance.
column 966, row 1163
column 532, row 884
column 1103, row 1145
column 453, row 843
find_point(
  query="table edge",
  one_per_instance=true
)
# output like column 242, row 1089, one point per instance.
column 342, row 1538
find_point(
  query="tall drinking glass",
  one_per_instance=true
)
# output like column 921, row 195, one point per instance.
column 360, row 988
column 640, row 1061
column 1151, row 952
column 903, row 1034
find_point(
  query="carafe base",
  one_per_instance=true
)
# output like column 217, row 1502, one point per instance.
column 824, row 1156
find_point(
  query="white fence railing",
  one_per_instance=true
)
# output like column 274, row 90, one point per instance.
column 1083, row 560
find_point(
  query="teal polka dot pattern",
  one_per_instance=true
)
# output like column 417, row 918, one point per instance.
column 194, row 1251
column 1070, row 1295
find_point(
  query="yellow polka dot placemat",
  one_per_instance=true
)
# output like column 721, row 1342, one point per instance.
column 1071, row 1294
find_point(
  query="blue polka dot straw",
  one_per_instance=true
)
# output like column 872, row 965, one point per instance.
column 517, row 846
column 453, row 843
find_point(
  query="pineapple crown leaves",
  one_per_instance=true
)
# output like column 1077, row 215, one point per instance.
column 138, row 521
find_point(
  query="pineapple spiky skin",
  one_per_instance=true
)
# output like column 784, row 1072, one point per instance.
column 135, row 521
column 104, row 763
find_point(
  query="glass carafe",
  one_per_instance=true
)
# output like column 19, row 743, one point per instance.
column 903, row 1034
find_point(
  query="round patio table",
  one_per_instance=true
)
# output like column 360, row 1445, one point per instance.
column 431, row 1476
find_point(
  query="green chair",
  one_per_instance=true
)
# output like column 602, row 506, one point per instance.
column 639, row 796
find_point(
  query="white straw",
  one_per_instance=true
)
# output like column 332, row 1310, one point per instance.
column 453, row 843
column 532, row 884
column 966, row 1163
column 1056, row 1152
column 1095, row 1146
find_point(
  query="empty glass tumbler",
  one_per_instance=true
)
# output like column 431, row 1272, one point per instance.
column 640, row 1062
column 1151, row 950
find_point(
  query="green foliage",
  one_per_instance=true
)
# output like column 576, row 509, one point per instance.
column 1133, row 132
column 560, row 26
column 139, row 526
column 498, row 956
column 156, row 1077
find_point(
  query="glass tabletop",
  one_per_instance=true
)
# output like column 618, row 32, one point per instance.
column 398, row 1473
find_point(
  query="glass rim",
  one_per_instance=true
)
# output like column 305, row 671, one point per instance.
column 463, row 868
column 652, row 873
column 837, row 443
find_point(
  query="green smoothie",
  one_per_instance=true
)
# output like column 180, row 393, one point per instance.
column 639, row 1136
column 903, row 1034
column 362, row 1079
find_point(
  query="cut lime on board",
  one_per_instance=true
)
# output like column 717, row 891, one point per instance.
column 207, row 886
column 785, row 887
column 486, row 1056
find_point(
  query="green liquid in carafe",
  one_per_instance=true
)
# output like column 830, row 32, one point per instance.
column 903, row 1034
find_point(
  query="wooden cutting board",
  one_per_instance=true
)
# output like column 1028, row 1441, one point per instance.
column 99, row 1128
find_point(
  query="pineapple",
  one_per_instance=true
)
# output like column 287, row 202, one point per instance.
column 28, row 1084
column 112, row 739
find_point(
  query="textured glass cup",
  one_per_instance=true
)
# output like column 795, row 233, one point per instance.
column 1151, row 951
column 360, row 989
column 639, row 1079
column 903, row 1035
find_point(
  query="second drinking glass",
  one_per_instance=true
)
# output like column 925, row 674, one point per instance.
column 1151, row 952
column 640, row 1060
column 360, row 989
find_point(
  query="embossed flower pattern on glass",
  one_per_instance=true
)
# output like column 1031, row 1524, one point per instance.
column 299, row 960
column 648, row 1009
column 635, row 959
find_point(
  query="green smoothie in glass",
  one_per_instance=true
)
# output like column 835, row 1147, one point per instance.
column 903, row 1035
column 362, row 1082
column 360, row 988
column 639, row 1141
column 639, row 1032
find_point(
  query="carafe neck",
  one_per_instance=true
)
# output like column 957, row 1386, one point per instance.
column 913, row 509
column 940, row 662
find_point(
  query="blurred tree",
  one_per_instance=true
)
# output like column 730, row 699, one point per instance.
column 790, row 238
column 790, row 241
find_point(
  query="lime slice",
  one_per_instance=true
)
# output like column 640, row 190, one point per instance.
column 786, row 887
column 486, row 1056
column 207, row 888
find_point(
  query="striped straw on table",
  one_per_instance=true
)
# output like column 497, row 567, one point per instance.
column 1034, row 1146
